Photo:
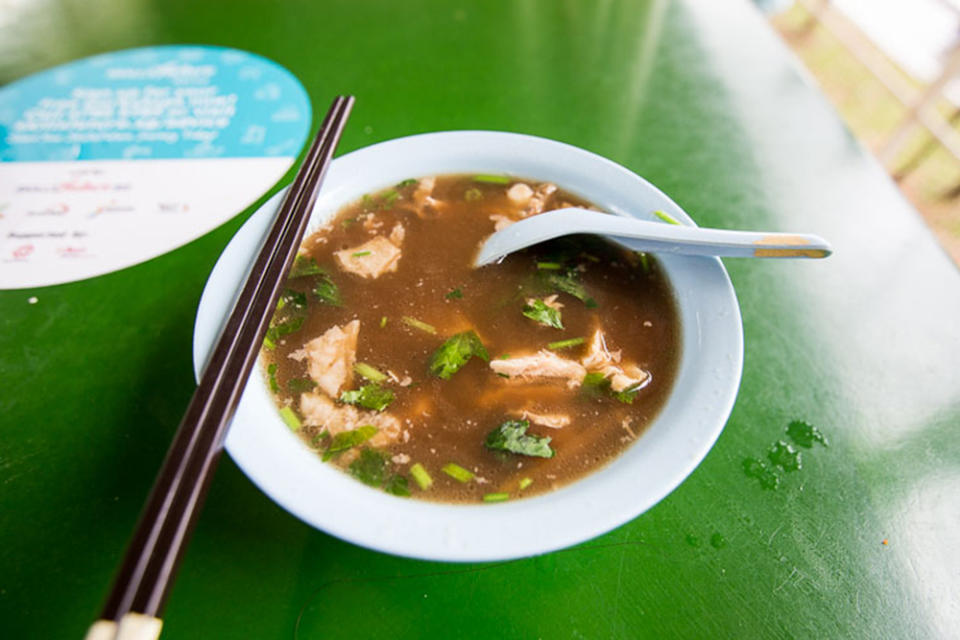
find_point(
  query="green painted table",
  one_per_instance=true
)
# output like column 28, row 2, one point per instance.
column 701, row 98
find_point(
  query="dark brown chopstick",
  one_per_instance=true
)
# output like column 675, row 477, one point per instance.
column 153, row 555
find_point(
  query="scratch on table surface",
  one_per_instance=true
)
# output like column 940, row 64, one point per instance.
column 789, row 577
column 616, row 599
column 774, row 534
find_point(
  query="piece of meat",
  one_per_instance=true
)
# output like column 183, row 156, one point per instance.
column 539, row 199
column 423, row 195
column 371, row 259
column 320, row 411
column 551, row 420
column 501, row 221
column 520, row 194
column 601, row 360
column 543, row 364
column 396, row 235
column 330, row 358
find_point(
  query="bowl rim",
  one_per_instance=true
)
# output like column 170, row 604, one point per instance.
column 676, row 441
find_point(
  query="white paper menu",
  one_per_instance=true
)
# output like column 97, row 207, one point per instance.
column 112, row 160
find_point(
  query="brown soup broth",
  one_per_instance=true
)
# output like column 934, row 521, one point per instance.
column 447, row 421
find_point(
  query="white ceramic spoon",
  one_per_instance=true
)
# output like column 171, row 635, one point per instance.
column 654, row 237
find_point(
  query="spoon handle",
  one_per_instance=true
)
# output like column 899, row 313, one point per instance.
column 654, row 237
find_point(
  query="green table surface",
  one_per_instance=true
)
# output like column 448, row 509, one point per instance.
column 699, row 97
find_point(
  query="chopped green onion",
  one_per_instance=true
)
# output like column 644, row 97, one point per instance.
column 421, row 477
column 457, row 472
column 564, row 344
column 666, row 217
column 290, row 418
column 454, row 295
column 496, row 497
column 644, row 261
column 418, row 324
column 406, row 183
column 473, row 194
column 383, row 321
column 300, row 385
column 390, row 197
column 360, row 254
column 272, row 377
column 526, row 482
column 368, row 372
column 549, row 266
column 491, row 179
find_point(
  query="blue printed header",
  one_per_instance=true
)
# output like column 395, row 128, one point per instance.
column 156, row 102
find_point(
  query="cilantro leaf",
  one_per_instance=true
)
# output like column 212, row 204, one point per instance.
column 597, row 384
column 456, row 294
column 397, row 485
column 406, row 183
column 569, row 283
column 326, row 290
column 369, row 396
column 370, row 467
column 544, row 314
column 304, row 266
column 349, row 439
column 277, row 331
column 512, row 436
column 455, row 352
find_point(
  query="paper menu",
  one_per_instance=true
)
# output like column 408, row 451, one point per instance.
column 113, row 160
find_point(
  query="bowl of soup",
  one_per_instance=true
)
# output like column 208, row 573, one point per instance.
column 408, row 402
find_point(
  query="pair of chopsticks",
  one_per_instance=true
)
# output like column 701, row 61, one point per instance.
column 135, row 605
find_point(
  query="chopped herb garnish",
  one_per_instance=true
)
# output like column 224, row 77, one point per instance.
column 292, row 298
column 666, row 217
column 360, row 254
column 472, row 194
column 549, row 266
column 565, row 344
column 526, row 482
column 368, row 372
column 569, row 283
column 315, row 440
column 418, row 324
column 456, row 294
column 397, row 485
column 304, row 266
column 369, row 396
column 491, row 179
column 290, row 418
column 300, row 385
column 272, row 377
column 455, row 352
column 370, row 468
column 496, row 497
column 346, row 223
column 542, row 313
column 406, row 183
column 349, row 439
column 281, row 329
column 512, row 436
column 368, row 202
column 383, row 321
column 644, row 261
column 457, row 472
column 421, row 477
column 596, row 383
column 389, row 198
column 326, row 290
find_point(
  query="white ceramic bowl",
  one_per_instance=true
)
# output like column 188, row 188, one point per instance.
column 681, row 435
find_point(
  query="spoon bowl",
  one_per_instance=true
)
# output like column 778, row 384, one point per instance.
column 650, row 236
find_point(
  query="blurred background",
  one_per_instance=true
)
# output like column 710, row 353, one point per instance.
column 892, row 69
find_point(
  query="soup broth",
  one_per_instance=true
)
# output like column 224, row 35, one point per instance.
column 398, row 361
